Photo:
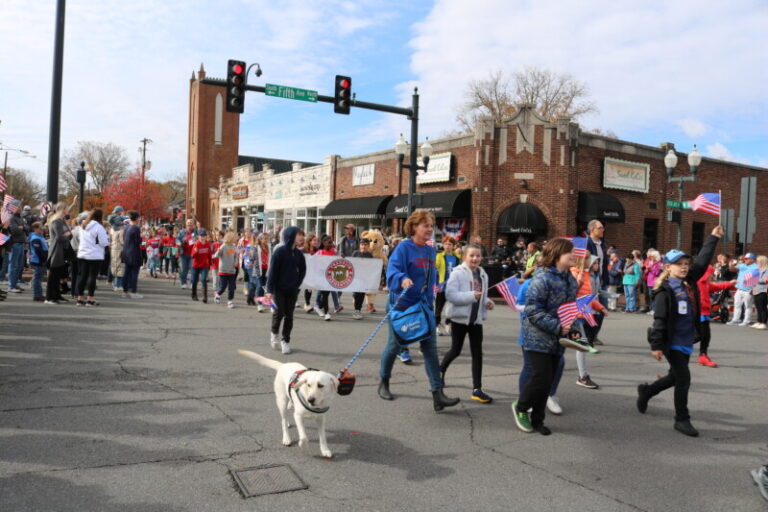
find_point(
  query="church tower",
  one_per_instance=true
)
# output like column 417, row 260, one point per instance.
column 212, row 146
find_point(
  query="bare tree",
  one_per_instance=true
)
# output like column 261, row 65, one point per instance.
column 23, row 187
column 552, row 94
column 105, row 162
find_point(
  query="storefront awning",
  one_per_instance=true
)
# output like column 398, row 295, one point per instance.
column 523, row 219
column 605, row 207
column 357, row 208
column 451, row 203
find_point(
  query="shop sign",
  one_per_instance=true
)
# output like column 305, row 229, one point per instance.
column 438, row 170
column 626, row 175
column 310, row 189
column 239, row 192
column 363, row 175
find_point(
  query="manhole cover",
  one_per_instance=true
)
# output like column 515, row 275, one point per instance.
column 267, row 479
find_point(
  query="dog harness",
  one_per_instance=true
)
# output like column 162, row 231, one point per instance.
column 292, row 385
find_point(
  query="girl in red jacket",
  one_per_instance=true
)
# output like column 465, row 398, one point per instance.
column 708, row 286
column 201, row 262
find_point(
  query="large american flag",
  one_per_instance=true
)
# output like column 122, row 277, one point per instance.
column 708, row 202
column 751, row 278
column 3, row 184
column 8, row 208
column 570, row 310
column 508, row 289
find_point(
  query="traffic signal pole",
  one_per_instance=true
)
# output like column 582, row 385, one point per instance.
column 52, row 188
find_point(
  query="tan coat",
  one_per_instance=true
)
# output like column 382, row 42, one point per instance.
column 116, row 253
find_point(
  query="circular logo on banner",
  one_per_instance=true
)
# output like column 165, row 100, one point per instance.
column 340, row 273
column 45, row 208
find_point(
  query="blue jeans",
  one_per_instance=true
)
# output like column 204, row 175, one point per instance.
column 200, row 274
column 629, row 294
column 117, row 282
column 227, row 282
column 186, row 263
column 525, row 374
column 257, row 284
column 428, row 350
column 131, row 278
column 15, row 264
column 322, row 297
column 37, row 279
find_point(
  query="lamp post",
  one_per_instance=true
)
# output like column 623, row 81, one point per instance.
column 81, row 180
column 412, row 165
column 670, row 162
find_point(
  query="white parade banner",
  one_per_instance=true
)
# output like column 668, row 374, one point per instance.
column 335, row 273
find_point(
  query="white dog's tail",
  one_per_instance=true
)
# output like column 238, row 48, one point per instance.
column 269, row 363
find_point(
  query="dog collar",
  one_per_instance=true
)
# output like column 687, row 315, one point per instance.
column 292, row 385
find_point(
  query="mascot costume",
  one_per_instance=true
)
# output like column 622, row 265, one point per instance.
column 376, row 239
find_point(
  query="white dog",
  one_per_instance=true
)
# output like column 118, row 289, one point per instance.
column 308, row 391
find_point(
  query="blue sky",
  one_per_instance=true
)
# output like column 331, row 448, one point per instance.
column 680, row 71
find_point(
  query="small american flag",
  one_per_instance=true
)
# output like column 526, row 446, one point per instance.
column 580, row 247
column 570, row 310
column 3, row 184
column 588, row 314
column 751, row 278
column 508, row 289
column 266, row 302
column 708, row 202
column 3, row 238
column 7, row 206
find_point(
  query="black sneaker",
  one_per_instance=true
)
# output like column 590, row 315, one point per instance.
column 587, row 383
column 541, row 429
column 642, row 398
column 479, row 396
column 686, row 428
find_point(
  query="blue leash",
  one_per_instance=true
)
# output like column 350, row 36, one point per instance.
column 374, row 333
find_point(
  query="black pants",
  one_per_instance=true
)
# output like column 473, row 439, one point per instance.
column 439, row 303
column 285, row 302
column 308, row 297
column 679, row 376
column 358, row 297
column 761, row 305
column 227, row 281
column 458, row 333
column 87, row 272
column 53, row 288
column 705, row 335
column 73, row 273
column 534, row 395
column 324, row 300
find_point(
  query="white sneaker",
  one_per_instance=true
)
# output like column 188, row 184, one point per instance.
column 135, row 296
column 217, row 298
column 744, row 324
column 116, row 289
column 327, row 317
column 319, row 312
column 761, row 327
column 307, row 308
column 274, row 341
column 231, row 305
column 357, row 315
column 183, row 287
column 441, row 330
column 733, row 322
column 553, row 405
column 285, row 347
column 260, row 308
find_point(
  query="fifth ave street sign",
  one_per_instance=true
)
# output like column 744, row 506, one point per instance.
column 291, row 93
column 679, row 205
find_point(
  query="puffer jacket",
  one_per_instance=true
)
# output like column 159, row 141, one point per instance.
column 548, row 290
column 116, row 249
column 460, row 294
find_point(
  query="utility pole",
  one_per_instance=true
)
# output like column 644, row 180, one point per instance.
column 52, row 189
column 144, row 143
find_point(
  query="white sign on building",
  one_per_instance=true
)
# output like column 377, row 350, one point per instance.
column 626, row 175
column 438, row 170
column 363, row 175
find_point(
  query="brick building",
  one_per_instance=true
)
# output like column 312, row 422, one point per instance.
column 534, row 179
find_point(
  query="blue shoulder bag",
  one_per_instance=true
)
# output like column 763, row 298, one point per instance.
column 416, row 323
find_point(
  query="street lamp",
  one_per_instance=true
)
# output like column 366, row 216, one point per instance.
column 81, row 180
column 426, row 151
column 670, row 162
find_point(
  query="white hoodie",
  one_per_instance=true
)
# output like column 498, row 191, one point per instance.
column 93, row 241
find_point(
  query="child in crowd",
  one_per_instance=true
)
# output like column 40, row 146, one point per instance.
column 311, row 246
column 215, row 261
column 467, row 294
column 228, row 264
column 707, row 286
column 201, row 262
column 446, row 261
column 244, row 257
column 676, row 322
column 551, row 287
column 38, row 255
column 321, row 305
column 169, row 253
column 260, row 253
column 363, row 251
column 585, row 275
column 287, row 269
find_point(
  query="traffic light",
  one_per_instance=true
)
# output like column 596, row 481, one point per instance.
column 235, row 86
column 342, row 95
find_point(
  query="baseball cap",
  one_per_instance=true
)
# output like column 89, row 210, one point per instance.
column 27, row 208
column 674, row 255
column 202, row 232
column 750, row 255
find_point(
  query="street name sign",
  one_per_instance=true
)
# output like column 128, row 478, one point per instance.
column 682, row 205
column 291, row 93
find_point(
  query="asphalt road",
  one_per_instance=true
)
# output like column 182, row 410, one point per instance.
column 140, row 406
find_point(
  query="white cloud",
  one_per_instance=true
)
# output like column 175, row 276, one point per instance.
column 693, row 127
column 719, row 151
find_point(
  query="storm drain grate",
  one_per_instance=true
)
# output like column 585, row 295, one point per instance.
column 267, row 479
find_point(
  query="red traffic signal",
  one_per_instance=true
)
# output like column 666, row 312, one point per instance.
column 236, row 86
column 342, row 95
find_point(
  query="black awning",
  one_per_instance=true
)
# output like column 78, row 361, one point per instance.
column 594, row 205
column 522, row 218
column 451, row 203
column 357, row 208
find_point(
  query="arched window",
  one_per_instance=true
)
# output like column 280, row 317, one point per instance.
column 218, row 119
